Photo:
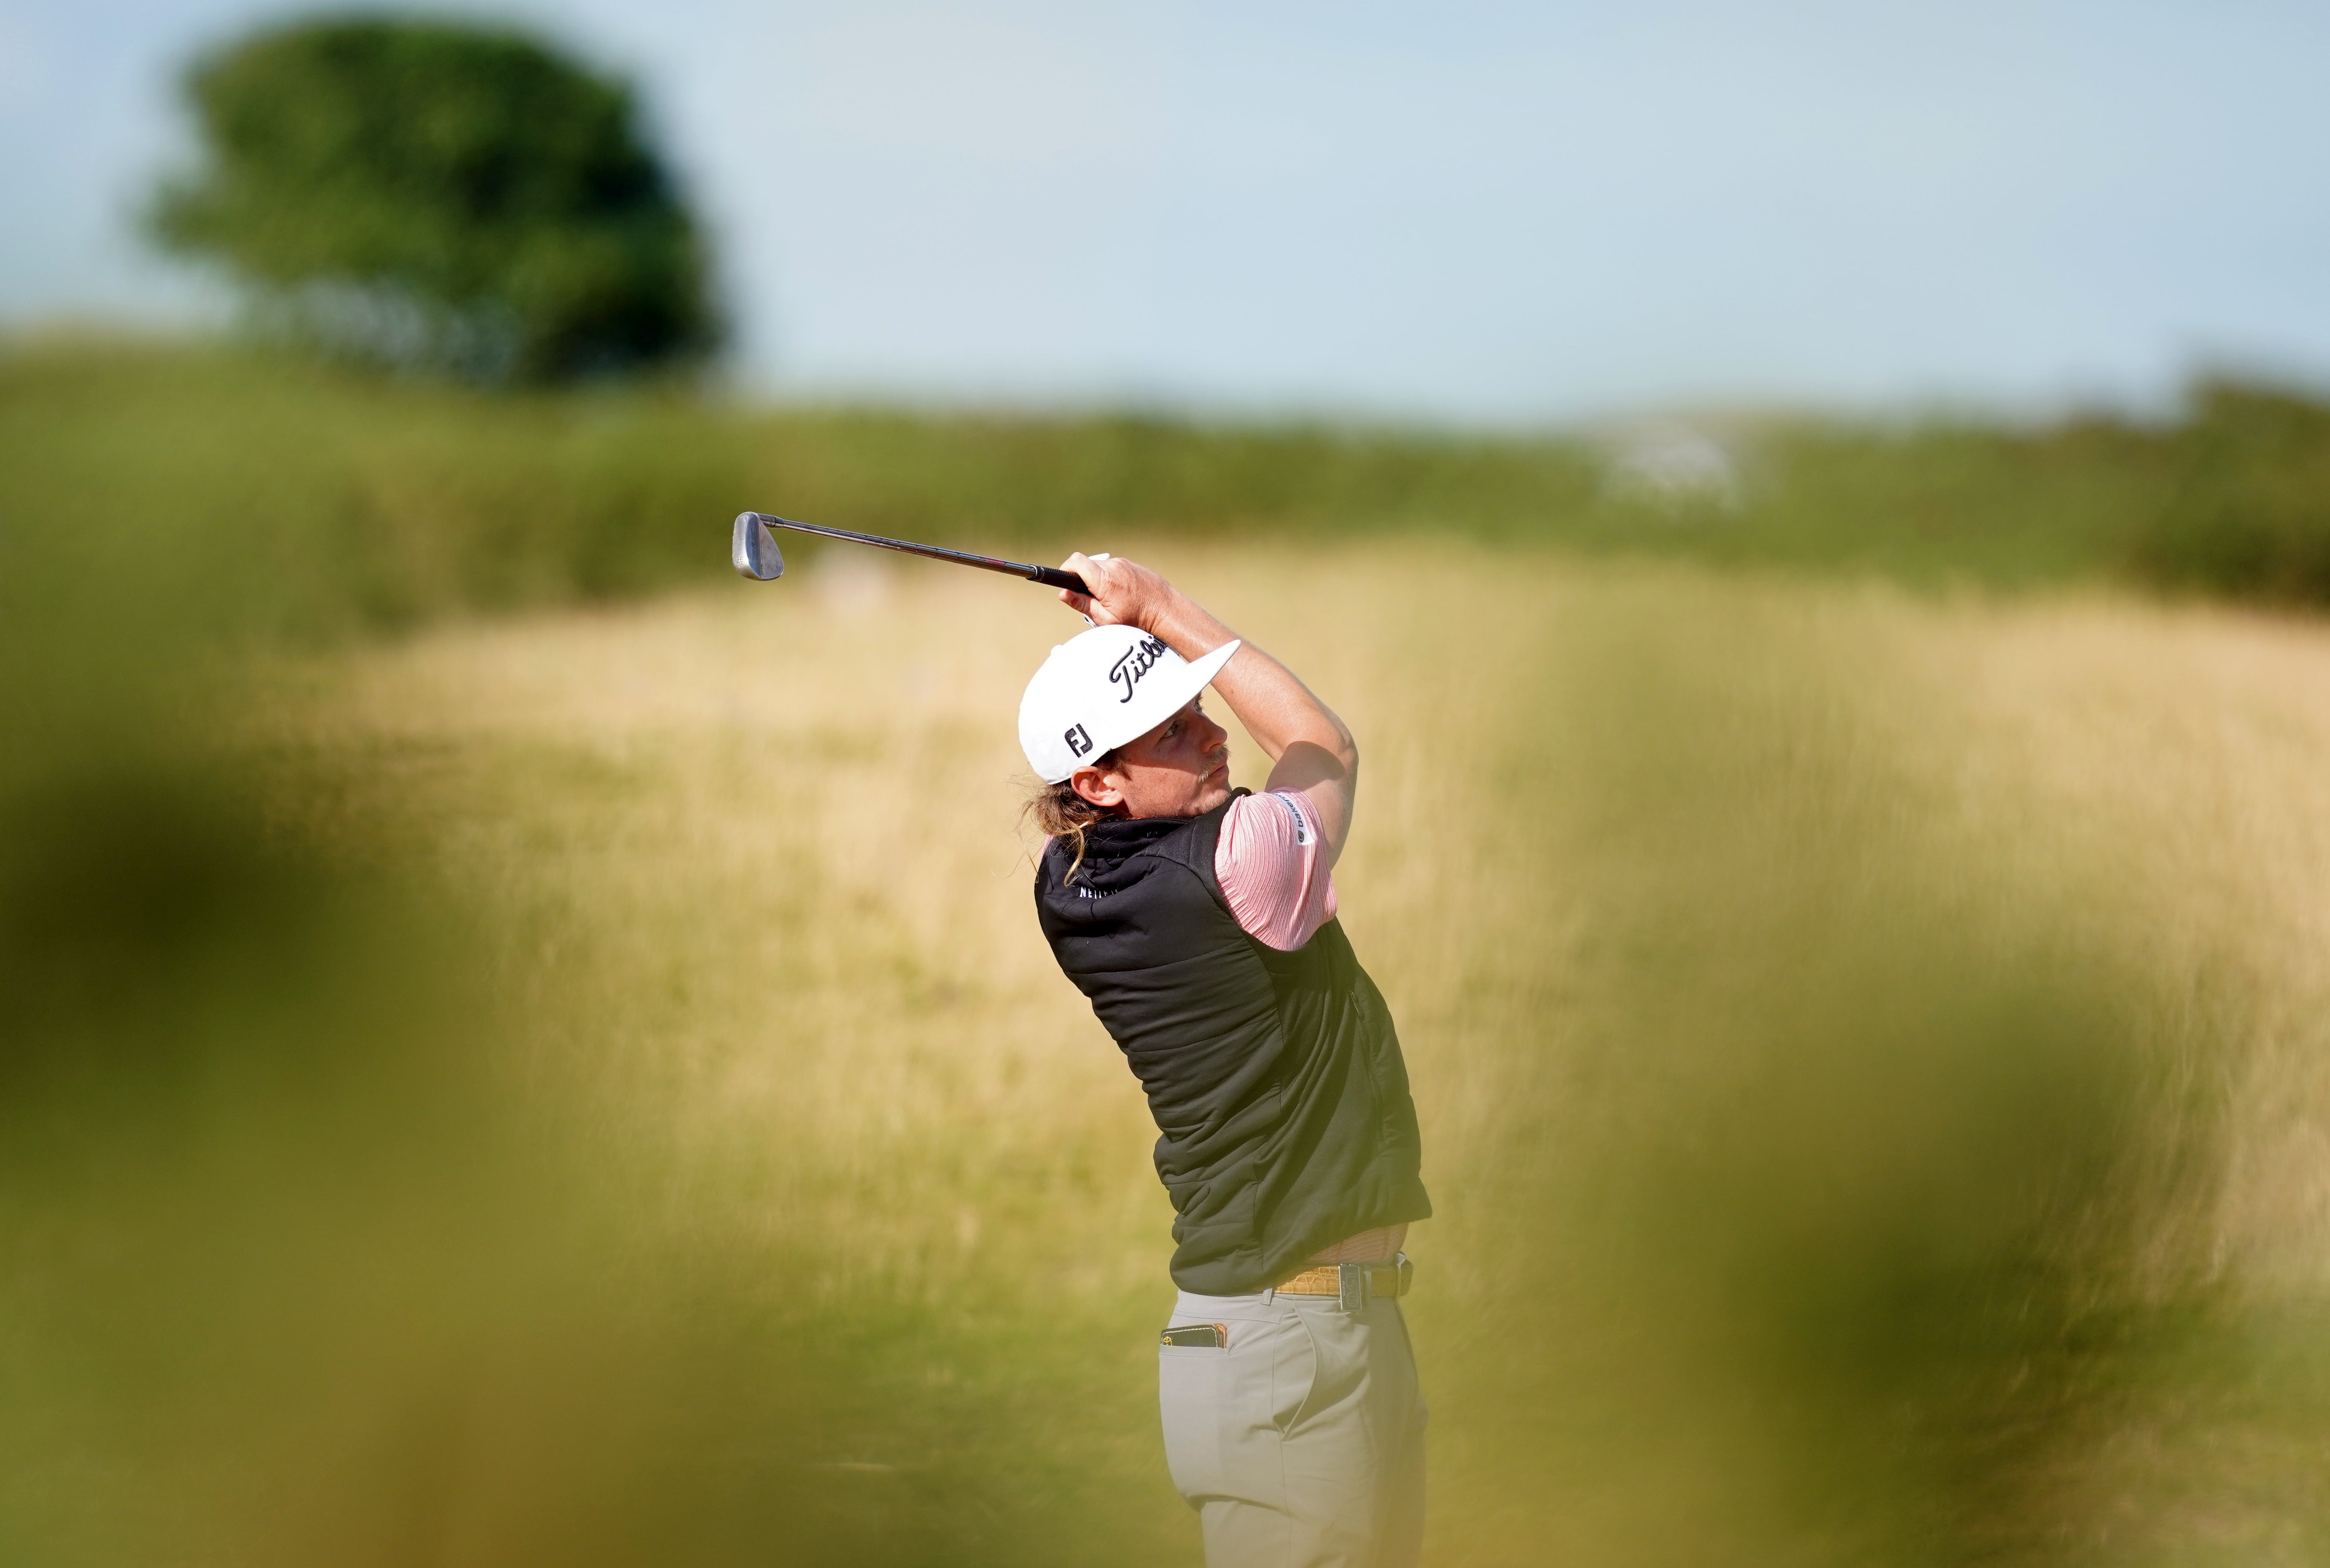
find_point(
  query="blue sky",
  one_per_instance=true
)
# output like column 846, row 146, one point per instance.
column 1474, row 212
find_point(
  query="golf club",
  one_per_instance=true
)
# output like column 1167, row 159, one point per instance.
column 755, row 550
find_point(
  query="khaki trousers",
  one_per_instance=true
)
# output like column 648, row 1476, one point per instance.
column 1300, row 1443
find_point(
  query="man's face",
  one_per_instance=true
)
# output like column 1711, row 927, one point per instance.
column 1180, row 769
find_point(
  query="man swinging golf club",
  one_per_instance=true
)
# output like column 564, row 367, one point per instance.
column 1200, row 923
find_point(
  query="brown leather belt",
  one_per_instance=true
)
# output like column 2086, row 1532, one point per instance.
column 1354, row 1284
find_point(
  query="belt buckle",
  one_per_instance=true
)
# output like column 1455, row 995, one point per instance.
column 1355, row 1282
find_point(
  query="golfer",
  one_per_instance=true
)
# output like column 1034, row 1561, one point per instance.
column 1200, row 923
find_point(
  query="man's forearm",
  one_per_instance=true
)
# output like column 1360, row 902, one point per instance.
column 1276, row 707
column 1310, row 749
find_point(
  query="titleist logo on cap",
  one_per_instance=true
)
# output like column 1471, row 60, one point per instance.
column 1134, row 663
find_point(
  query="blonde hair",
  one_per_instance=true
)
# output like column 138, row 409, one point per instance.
column 1061, row 813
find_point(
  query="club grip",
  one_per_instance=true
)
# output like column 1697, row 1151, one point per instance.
column 1053, row 577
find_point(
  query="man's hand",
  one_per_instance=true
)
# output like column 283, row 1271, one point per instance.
column 1124, row 594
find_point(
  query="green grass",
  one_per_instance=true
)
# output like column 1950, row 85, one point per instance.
column 288, row 496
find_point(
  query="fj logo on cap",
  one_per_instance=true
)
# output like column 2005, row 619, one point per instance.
column 1079, row 740
column 1136, row 662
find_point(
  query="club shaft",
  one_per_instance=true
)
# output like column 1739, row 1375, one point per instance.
column 1049, row 576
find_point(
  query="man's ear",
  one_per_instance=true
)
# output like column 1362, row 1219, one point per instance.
column 1099, row 788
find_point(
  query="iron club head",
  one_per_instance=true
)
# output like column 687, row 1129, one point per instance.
column 754, row 549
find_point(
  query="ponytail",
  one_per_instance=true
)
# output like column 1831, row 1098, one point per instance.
column 1062, row 813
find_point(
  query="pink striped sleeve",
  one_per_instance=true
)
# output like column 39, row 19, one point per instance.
column 1267, row 861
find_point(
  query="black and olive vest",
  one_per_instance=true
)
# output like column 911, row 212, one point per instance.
column 1282, row 1112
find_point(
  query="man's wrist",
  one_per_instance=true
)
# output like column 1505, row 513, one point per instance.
column 1184, row 626
column 1167, row 616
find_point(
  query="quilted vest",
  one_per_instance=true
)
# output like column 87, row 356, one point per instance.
column 1275, row 1078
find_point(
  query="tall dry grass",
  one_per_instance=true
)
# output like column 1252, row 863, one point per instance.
column 1869, row 1049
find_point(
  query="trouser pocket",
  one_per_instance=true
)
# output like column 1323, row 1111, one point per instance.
column 1189, row 1391
column 1335, row 1375
column 1225, row 1409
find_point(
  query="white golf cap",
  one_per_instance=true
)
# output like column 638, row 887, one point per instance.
column 1102, row 688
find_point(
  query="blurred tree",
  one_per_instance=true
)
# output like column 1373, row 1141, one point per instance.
column 439, row 195
column 2250, row 513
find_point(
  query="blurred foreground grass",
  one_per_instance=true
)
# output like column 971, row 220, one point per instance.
column 588, row 1089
